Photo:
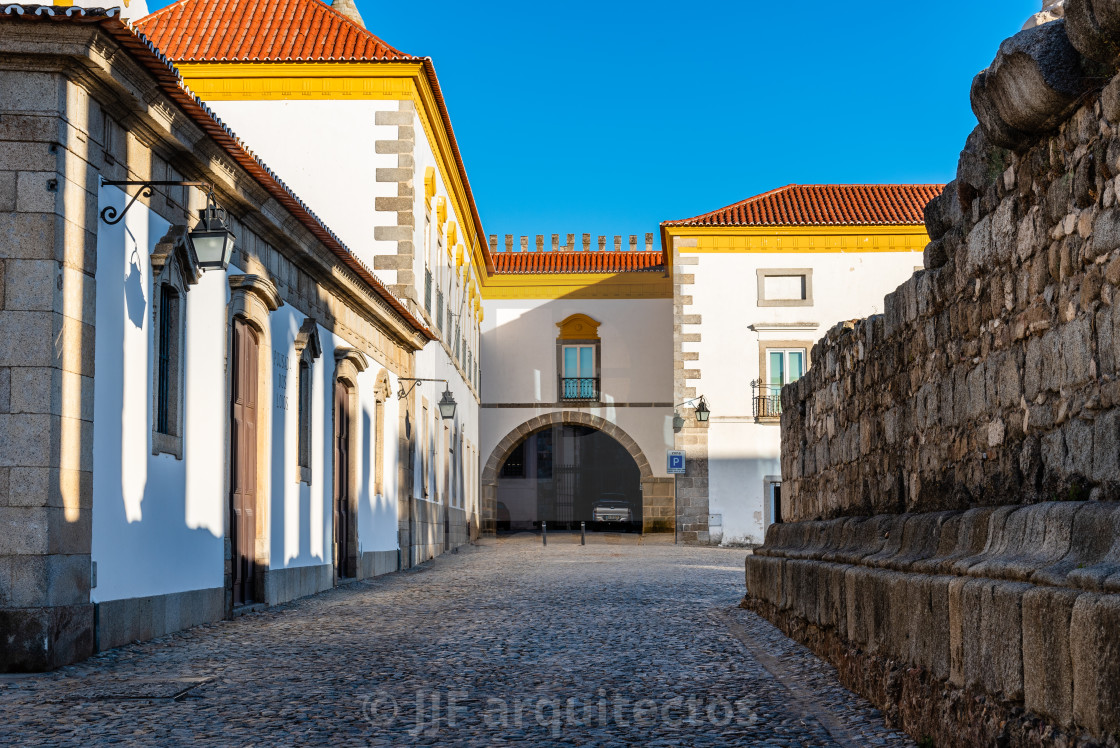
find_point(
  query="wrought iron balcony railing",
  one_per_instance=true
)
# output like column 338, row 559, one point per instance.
column 428, row 291
column 767, row 400
column 439, row 308
column 579, row 388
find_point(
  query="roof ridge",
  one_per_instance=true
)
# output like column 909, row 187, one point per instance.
column 823, row 205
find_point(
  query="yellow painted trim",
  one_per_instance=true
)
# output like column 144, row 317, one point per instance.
column 578, row 327
column 579, row 286
column 310, row 81
column 800, row 239
column 429, row 184
column 452, row 234
column 459, row 256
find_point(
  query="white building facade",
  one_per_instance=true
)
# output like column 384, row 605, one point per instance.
column 367, row 141
column 756, row 284
column 577, row 408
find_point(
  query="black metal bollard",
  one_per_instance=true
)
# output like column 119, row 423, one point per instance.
column 544, row 533
column 583, row 533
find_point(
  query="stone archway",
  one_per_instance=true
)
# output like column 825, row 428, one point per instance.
column 657, row 504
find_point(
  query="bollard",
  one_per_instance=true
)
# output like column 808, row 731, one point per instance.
column 544, row 533
column 583, row 533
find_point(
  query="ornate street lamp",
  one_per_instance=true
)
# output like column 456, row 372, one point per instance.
column 702, row 412
column 447, row 404
column 211, row 242
column 213, row 245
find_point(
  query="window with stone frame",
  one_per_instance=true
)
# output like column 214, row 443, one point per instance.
column 173, row 272
column 785, row 287
column 307, row 351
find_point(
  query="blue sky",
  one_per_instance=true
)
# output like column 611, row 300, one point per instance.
column 609, row 117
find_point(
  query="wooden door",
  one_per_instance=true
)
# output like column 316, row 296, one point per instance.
column 243, row 478
column 342, row 516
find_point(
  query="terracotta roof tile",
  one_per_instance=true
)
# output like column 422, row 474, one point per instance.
column 171, row 84
column 577, row 262
column 261, row 31
column 825, row 205
column 283, row 31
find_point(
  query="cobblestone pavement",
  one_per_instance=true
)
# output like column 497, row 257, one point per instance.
column 620, row 642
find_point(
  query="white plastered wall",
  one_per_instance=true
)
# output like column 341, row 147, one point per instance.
column 158, row 522
column 519, row 353
column 743, row 453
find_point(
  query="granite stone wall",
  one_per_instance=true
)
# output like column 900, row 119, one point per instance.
column 952, row 466
column 993, row 376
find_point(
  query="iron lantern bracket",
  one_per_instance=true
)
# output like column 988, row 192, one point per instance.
column 111, row 216
column 403, row 393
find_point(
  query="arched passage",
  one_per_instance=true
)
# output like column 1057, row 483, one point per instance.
column 651, row 486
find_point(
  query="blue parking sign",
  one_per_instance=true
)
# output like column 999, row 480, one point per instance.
column 676, row 462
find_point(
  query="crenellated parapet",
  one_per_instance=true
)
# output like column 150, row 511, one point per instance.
column 603, row 243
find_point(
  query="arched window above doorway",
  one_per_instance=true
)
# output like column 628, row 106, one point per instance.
column 578, row 360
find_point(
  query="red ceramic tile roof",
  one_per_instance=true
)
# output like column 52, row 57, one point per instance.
column 577, row 262
column 261, row 31
column 200, row 31
column 171, row 84
column 825, row 205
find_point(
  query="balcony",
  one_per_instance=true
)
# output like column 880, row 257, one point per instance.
column 439, row 309
column 580, row 388
column 767, row 400
column 428, row 291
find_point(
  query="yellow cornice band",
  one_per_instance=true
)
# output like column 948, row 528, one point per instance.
column 342, row 81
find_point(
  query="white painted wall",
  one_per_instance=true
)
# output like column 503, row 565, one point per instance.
column 324, row 151
column 733, row 327
column 158, row 522
column 336, row 177
column 519, row 366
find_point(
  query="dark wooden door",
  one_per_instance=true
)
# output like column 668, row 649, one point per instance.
column 243, row 478
column 342, row 518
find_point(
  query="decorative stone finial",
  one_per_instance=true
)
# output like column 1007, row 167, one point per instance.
column 348, row 9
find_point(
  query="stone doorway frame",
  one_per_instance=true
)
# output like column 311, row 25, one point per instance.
column 657, row 493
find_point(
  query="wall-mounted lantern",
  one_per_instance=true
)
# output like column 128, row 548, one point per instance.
column 213, row 244
column 211, row 241
column 701, row 411
column 447, row 404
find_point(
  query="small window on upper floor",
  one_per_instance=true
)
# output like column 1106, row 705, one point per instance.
column 579, row 352
column 785, row 287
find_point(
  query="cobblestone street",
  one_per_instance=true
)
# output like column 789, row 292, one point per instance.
column 620, row 642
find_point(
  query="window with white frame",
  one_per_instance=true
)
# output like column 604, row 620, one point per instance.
column 780, row 362
column 578, row 377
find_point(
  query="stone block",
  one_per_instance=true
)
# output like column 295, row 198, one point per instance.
column 1047, row 661
column 7, row 191
column 26, row 339
column 26, row 440
column 5, row 390
column 35, row 193
column 992, row 636
column 39, row 639
column 30, row 285
column 1096, row 662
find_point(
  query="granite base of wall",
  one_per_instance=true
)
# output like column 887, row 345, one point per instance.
column 376, row 563
column 994, row 626
column 33, row 640
column 141, row 618
column 283, row 585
